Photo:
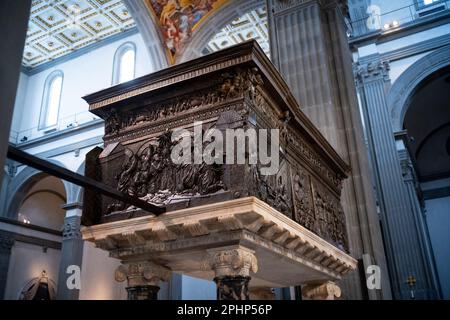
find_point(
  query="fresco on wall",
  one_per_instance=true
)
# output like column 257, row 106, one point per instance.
column 178, row 19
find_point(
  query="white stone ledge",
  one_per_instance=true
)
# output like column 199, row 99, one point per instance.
column 288, row 254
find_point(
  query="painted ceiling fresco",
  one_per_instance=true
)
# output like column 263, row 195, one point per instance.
column 178, row 19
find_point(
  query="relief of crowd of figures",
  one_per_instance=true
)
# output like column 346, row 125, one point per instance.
column 231, row 85
column 151, row 175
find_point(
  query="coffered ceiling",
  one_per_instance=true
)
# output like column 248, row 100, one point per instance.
column 252, row 25
column 60, row 27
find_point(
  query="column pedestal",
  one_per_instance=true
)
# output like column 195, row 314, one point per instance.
column 142, row 279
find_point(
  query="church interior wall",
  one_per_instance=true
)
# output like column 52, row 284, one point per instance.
column 97, row 283
column 101, row 60
column 27, row 261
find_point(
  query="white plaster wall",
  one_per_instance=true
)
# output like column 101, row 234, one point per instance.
column 27, row 261
column 83, row 75
column 97, row 276
column 197, row 289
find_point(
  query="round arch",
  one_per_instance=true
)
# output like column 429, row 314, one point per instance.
column 213, row 24
column 22, row 183
column 404, row 87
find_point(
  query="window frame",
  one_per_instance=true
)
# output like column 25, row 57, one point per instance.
column 118, row 59
column 420, row 4
column 46, row 98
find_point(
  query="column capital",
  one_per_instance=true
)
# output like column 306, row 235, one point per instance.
column 71, row 228
column 232, row 261
column 144, row 273
column 372, row 71
column 321, row 291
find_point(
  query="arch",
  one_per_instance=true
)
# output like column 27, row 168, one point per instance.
column 213, row 24
column 22, row 183
column 117, row 62
column 405, row 86
column 149, row 32
column 49, row 105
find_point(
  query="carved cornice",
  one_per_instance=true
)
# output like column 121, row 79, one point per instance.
column 142, row 274
column 261, row 224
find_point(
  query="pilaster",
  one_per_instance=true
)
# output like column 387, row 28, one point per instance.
column 71, row 250
column 405, row 244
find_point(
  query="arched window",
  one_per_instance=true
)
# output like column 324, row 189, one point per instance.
column 51, row 100
column 124, row 63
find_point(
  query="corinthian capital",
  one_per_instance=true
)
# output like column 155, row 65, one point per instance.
column 376, row 70
column 322, row 291
column 233, row 262
column 142, row 274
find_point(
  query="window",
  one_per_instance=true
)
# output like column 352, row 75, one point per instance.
column 124, row 63
column 51, row 100
column 424, row 3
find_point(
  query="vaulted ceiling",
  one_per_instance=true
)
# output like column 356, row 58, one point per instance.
column 60, row 27
column 252, row 25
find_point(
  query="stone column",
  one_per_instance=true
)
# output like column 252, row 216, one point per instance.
column 405, row 243
column 321, row 291
column 309, row 46
column 415, row 197
column 142, row 278
column 71, row 251
column 6, row 243
column 14, row 17
column 232, row 267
